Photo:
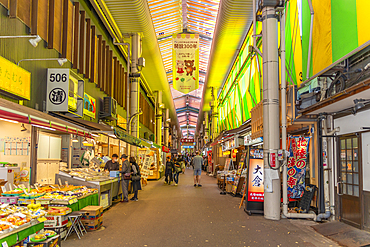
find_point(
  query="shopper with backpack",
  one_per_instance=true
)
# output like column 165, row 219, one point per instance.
column 135, row 178
column 178, row 170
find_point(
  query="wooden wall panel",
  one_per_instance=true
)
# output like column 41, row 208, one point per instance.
column 5, row 3
column 24, row 11
column 58, row 25
column 65, row 28
column 43, row 19
column 51, row 25
column 104, row 62
column 34, row 16
column 114, row 78
column 70, row 31
column 111, row 67
column 81, row 51
column 76, row 35
column 88, row 49
column 93, row 55
column 99, row 61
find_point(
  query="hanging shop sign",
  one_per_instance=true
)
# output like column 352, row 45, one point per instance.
column 165, row 149
column 14, row 80
column 89, row 106
column 121, row 121
column 297, row 166
column 226, row 153
column 65, row 92
column 185, row 62
column 187, row 140
column 188, row 147
column 230, row 144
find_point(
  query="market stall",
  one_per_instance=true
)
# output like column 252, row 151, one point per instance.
column 108, row 187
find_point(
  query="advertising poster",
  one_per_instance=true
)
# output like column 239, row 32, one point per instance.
column 297, row 166
column 185, row 62
column 234, row 189
column 89, row 106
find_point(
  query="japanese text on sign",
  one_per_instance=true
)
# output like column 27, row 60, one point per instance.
column 297, row 166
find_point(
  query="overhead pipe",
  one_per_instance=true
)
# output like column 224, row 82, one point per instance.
column 310, row 41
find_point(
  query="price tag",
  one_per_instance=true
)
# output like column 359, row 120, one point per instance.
column 4, row 244
column 71, row 201
column 3, row 189
column 42, row 219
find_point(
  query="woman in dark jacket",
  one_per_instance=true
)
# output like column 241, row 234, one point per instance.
column 136, row 178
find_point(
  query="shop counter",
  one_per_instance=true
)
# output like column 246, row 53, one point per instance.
column 106, row 187
column 21, row 233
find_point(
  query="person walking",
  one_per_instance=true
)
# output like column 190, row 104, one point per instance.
column 112, row 165
column 125, row 172
column 169, row 169
column 136, row 178
column 197, row 164
column 178, row 170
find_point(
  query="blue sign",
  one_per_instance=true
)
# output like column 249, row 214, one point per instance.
column 188, row 146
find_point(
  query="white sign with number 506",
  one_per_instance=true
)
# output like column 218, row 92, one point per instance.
column 57, row 90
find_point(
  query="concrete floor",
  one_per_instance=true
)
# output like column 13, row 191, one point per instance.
column 166, row 215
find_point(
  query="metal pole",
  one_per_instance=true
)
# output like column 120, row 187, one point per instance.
column 166, row 136
column 271, row 130
column 135, row 83
column 158, row 118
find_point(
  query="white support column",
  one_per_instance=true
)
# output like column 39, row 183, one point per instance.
column 271, row 130
column 135, row 89
column 158, row 119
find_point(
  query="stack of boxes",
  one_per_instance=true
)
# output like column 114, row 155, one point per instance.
column 93, row 218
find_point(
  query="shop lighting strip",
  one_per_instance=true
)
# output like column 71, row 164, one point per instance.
column 8, row 120
column 43, row 127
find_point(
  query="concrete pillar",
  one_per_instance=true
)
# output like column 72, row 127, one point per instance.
column 135, row 88
column 166, row 128
column 158, row 119
column 271, row 130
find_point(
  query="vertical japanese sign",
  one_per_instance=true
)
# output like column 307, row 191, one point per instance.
column 297, row 166
column 185, row 62
column 255, row 176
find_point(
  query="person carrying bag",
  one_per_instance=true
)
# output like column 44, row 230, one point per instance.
column 178, row 170
column 135, row 178
column 126, row 176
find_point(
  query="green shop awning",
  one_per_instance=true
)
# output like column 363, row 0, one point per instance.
column 130, row 139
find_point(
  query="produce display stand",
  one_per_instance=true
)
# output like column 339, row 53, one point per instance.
column 104, row 186
column 17, row 235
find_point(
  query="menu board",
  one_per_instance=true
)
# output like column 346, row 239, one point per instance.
column 148, row 162
column 234, row 189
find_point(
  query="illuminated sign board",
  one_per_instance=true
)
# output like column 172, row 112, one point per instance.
column 14, row 79
column 121, row 121
column 89, row 106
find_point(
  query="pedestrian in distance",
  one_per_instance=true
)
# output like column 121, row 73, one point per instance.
column 197, row 164
column 178, row 170
column 135, row 178
column 126, row 177
column 169, row 170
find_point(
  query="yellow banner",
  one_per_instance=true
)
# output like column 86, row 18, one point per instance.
column 185, row 62
column 14, row 79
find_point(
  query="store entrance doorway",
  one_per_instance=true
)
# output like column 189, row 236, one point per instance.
column 350, row 180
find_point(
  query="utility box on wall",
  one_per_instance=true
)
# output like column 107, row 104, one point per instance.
column 65, row 92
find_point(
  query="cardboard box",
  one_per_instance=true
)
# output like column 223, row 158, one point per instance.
column 93, row 223
column 50, row 242
column 55, row 221
column 98, row 223
column 228, row 188
column 92, row 212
